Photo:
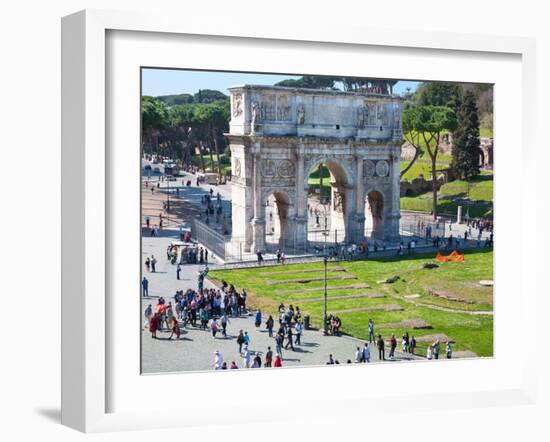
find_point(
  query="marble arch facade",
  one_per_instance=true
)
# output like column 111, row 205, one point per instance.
column 278, row 135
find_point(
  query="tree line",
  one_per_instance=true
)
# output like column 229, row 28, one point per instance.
column 182, row 126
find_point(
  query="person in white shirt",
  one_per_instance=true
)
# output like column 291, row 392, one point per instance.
column 429, row 353
column 218, row 360
column 246, row 357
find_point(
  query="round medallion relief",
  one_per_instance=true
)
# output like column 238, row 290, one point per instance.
column 286, row 169
column 368, row 168
column 382, row 168
column 268, row 168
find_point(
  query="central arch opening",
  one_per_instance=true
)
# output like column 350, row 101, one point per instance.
column 327, row 183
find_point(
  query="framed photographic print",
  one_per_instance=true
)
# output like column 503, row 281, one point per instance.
column 245, row 212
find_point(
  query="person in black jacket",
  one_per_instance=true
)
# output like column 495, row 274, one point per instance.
column 381, row 350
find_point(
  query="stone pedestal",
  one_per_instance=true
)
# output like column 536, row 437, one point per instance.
column 258, row 235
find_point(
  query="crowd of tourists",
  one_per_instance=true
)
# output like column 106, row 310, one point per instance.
column 211, row 310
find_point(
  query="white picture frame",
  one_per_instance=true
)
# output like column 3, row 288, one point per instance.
column 89, row 222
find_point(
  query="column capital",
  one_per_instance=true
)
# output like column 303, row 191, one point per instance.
column 299, row 152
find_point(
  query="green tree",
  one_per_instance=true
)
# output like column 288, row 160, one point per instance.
column 178, row 131
column 213, row 120
column 209, row 96
column 438, row 94
column 466, row 145
column 412, row 134
column 153, row 116
column 309, row 82
column 430, row 122
column 174, row 100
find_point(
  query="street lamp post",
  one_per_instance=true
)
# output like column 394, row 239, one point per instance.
column 325, row 325
column 168, row 197
column 468, row 204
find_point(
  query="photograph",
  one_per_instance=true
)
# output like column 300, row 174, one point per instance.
column 295, row 220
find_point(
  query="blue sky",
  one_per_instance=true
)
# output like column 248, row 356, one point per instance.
column 157, row 82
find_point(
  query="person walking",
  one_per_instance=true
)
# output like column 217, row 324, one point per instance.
column 393, row 345
column 366, row 353
column 214, row 327
column 448, row 350
column 412, row 345
column 258, row 318
column 145, row 286
column 436, row 348
column 268, row 357
column 148, row 264
column 178, row 270
column 153, row 263
column 289, row 339
column 269, row 325
column 147, row 314
column 246, row 357
column 154, row 325
column 405, row 342
column 224, row 320
column 372, row 337
column 175, row 329
column 298, row 330
column 218, row 360
column 169, row 316
column 358, row 355
column 279, row 344
column 381, row 349
column 240, row 341
column 246, row 338
column 257, row 362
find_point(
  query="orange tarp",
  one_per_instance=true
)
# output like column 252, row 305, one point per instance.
column 453, row 257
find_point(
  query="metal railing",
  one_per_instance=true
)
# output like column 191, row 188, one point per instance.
column 208, row 237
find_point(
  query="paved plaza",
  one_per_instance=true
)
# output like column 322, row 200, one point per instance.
column 195, row 348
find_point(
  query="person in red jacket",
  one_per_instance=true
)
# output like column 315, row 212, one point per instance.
column 277, row 361
column 153, row 325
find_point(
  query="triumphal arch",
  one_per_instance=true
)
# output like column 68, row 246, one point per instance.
column 279, row 135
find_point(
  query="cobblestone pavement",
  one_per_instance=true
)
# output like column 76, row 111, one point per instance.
column 195, row 349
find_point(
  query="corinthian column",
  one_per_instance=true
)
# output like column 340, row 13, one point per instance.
column 300, row 222
column 258, row 222
column 359, row 218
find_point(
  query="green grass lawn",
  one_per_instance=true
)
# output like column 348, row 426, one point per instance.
column 481, row 197
column 225, row 161
column 267, row 288
column 423, row 166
